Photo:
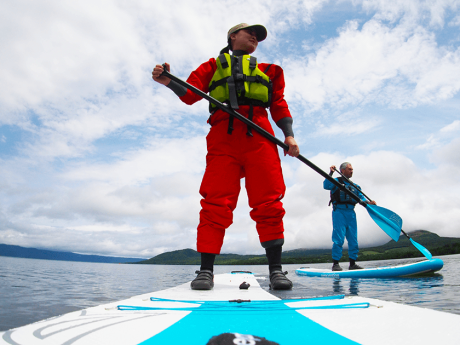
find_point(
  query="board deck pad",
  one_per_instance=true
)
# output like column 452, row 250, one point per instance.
column 183, row 316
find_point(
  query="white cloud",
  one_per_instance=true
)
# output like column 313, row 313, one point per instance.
column 439, row 139
column 431, row 12
column 60, row 50
column 448, row 155
column 400, row 66
column 455, row 21
column 162, row 157
column 454, row 126
column 106, row 161
column 348, row 124
column 431, row 142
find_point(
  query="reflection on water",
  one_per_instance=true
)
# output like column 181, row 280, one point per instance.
column 428, row 285
column 32, row 290
column 341, row 287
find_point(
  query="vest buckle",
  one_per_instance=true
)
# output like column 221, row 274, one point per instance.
column 241, row 76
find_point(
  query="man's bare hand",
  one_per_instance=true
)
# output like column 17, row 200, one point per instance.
column 293, row 147
column 156, row 74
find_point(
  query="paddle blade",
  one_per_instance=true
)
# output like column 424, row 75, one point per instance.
column 422, row 249
column 387, row 220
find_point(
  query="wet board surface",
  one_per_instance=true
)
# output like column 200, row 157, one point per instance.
column 182, row 316
column 412, row 269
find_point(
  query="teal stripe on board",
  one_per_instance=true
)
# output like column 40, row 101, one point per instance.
column 285, row 327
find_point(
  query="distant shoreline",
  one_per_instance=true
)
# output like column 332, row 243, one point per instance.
column 392, row 250
column 34, row 253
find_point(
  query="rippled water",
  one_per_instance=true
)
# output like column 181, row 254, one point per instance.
column 32, row 290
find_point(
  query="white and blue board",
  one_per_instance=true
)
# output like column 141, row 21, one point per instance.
column 183, row 316
column 412, row 269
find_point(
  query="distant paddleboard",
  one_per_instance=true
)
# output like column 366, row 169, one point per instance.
column 417, row 268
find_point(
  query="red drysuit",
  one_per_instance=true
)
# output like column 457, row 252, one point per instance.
column 233, row 156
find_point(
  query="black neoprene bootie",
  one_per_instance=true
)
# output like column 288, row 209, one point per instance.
column 354, row 265
column 336, row 267
column 203, row 281
column 278, row 281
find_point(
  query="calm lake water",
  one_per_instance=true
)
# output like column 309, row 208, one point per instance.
column 33, row 290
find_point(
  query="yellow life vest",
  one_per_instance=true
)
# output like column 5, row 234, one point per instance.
column 239, row 81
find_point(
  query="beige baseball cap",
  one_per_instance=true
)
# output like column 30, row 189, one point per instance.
column 261, row 32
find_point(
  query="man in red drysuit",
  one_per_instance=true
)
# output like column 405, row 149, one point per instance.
column 235, row 151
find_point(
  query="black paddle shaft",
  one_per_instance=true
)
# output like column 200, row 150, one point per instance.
column 259, row 130
column 353, row 184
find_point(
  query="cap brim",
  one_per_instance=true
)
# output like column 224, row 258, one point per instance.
column 261, row 32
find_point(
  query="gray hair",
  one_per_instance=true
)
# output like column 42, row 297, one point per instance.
column 344, row 165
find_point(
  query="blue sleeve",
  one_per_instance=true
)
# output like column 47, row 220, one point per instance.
column 329, row 185
column 360, row 195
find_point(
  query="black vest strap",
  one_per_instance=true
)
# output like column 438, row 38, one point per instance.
column 230, row 124
column 217, row 83
column 232, row 92
column 223, row 61
column 239, row 76
column 250, row 117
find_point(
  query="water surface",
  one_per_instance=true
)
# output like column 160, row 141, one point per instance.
column 33, row 290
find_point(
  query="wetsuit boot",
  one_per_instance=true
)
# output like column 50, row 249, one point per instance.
column 278, row 280
column 205, row 278
column 336, row 266
column 354, row 266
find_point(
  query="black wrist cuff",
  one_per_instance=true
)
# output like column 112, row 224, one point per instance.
column 178, row 89
column 286, row 126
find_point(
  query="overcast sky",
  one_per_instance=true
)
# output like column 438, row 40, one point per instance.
column 97, row 158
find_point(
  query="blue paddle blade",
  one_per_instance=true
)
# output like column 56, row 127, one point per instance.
column 422, row 249
column 387, row 220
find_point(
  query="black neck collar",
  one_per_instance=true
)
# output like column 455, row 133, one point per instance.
column 239, row 52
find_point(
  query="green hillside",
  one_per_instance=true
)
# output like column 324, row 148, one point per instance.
column 391, row 250
column 192, row 257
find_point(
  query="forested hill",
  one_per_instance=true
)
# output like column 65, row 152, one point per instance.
column 392, row 250
column 34, row 253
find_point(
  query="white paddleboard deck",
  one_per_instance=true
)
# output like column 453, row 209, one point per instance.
column 415, row 268
column 182, row 316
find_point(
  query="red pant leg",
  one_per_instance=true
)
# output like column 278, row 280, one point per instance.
column 265, row 187
column 220, row 189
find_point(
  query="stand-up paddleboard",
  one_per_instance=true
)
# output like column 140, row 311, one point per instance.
column 241, row 316
column 417, row 268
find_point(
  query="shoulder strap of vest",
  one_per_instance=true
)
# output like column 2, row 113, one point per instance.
column 335, row 197
column 252, row 62
column 223, row 61
column 216, row 83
